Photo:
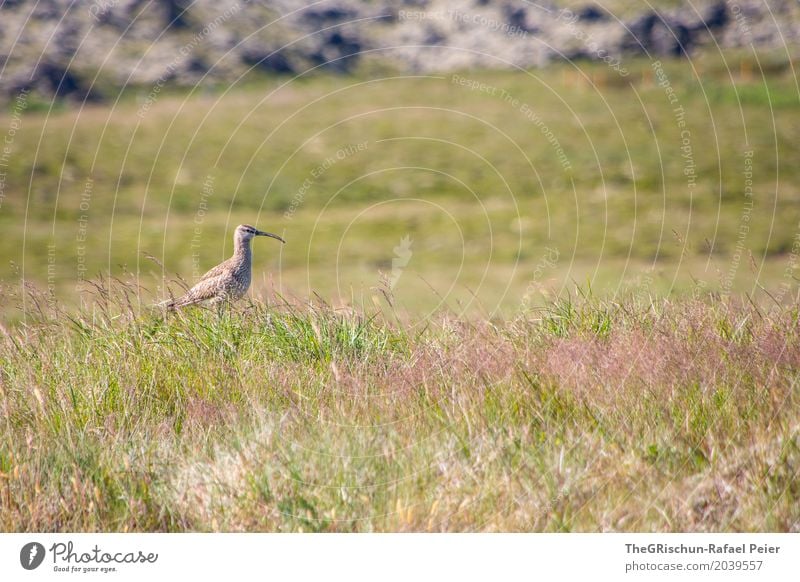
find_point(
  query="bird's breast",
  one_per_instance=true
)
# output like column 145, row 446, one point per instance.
column 240, row 283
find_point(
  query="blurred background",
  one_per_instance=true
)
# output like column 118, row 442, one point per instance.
column 481, row 156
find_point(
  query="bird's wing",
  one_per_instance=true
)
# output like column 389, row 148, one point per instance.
column 207, row 288
column 215, row 271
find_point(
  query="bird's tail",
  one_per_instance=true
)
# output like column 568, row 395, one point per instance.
column 184, row 301
column 169, row 304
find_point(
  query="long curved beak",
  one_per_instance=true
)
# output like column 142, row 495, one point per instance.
column 262, row 233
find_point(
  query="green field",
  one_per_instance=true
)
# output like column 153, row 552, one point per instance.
column 507, row 187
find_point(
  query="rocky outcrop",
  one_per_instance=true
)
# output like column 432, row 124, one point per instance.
column 677, row 34
column 89, row 50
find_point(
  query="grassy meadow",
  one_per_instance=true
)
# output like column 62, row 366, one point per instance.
column 509, row 301
column 467, row 192
column 629, row 416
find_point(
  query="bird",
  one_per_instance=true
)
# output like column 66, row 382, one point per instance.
column 229, row 280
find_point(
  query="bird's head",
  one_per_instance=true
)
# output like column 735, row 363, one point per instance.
column 245, row 232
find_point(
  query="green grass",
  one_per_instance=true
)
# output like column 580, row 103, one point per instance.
column 584, row 415
column 472, row 181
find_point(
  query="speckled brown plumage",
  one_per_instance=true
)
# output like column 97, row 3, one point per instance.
column 229, row 280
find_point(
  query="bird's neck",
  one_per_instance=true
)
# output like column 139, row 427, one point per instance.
column 241, row 249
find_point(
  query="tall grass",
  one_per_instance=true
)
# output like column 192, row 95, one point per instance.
column 587, row 415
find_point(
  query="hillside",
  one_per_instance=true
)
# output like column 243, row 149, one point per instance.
column 92, row 50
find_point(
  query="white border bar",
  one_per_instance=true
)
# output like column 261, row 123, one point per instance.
column 406, row 557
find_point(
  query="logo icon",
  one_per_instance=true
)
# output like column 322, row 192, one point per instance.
column 402, row 255
column 31, row 555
